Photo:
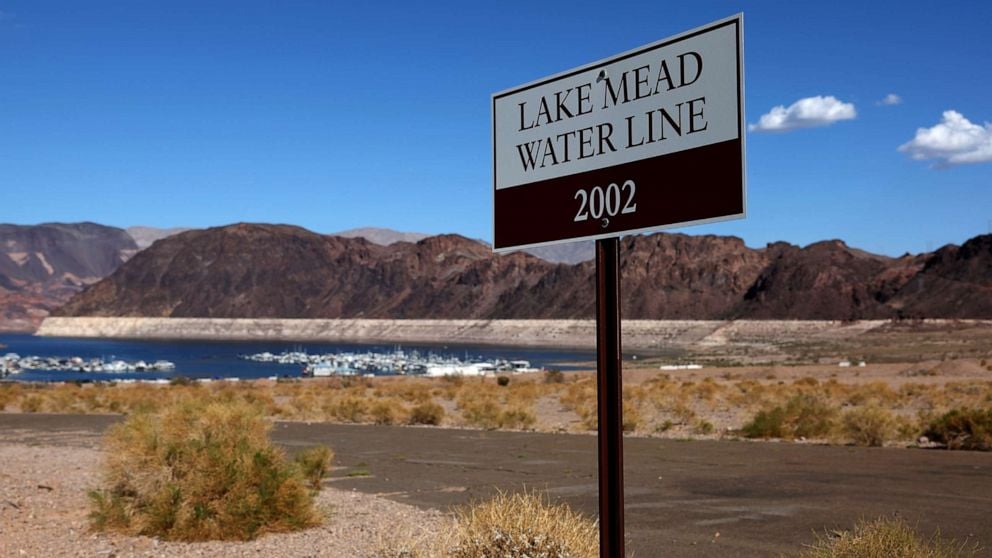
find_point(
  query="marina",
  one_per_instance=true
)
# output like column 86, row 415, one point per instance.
column 395, row 362
column 67, row 359
column 12, row 363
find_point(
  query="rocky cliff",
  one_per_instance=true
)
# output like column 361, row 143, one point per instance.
column 280, row 271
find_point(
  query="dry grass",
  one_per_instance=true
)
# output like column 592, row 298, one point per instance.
column 967, row 429
column 847, row 410
column 523, row 524
column 510, row 525
column 883, row 538
column 314, row 463
column 869, row 426
column 201, row 470
column 803, row 416
column 427, row 412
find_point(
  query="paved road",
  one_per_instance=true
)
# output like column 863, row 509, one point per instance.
column 764, row 499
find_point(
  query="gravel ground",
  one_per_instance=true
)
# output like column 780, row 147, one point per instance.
column 43, row 513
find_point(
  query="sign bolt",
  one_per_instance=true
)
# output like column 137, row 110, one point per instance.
column 605, row 222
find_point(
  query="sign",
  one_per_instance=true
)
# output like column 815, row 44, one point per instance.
column 649, row 139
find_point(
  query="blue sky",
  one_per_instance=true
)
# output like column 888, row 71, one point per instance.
column 333, row 116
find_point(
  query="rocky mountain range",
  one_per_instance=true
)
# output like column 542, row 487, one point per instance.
column 248, row 270
column 43, row 266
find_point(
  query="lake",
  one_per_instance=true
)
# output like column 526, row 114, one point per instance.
column 220, row 359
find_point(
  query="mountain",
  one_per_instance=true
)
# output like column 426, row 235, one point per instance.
column 284, row 271
column 43, row 266
column 569, row 253
column 248, row 270
column 843, row 280
column 954, row 282
column 383, row 237
column 28, row 291
column 146, row 236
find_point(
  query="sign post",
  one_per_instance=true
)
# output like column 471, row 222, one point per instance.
column 649, row 139
column 609, row 394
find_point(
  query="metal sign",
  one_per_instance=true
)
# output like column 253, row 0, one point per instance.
column 652, row 138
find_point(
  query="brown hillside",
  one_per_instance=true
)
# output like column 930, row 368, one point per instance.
column 280, row 271
column 43, row 266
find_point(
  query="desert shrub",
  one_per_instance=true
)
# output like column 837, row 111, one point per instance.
column 10, row 394
column 386, row 411
column 632, row 418
column 683, row 412
column 427, row 413
column 803, row 416
column 350, row 408
column 555, row 376
column 810, row 416
column 885, row 537
column 503, row 380
column 869, row 426
column 964, row 429
column 314, row 463
column 31, row 404
column 580, row 398
column 454, row 380
column 516, row 418
column 704, row 427
column 524, row 392
column 523, row 524
column 199, row 471
column 482, row 412
column 408, row 390
column 707, row 390
column 873, row 393
column 768, row 423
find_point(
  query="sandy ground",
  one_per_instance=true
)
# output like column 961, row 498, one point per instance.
column 44, row 479
column 700, row 499
column 43, row 511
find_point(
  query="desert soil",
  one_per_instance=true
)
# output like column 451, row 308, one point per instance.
column 689, row 499
column 45, row 477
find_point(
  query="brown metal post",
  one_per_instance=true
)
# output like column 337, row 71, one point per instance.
column 610, row 397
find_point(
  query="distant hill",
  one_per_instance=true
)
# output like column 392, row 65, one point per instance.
column 146, row 236
column 249, row 271
column 43, row 266
column 570, row 253
column 383, row 237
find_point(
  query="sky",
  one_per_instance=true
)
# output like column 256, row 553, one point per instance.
column 868, row 121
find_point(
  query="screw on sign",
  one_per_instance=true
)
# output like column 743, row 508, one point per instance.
column 649, row 139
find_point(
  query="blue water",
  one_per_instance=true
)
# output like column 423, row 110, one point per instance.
column 219, row 359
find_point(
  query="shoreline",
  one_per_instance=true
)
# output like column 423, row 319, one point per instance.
column 658, row 335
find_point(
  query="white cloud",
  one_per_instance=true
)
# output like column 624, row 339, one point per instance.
column 955, row 141
column 891, row 99
column 805, row 113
